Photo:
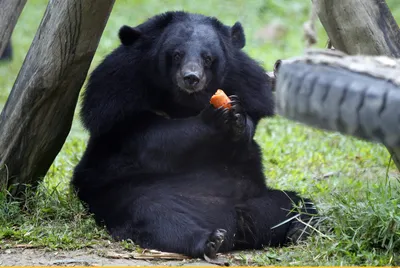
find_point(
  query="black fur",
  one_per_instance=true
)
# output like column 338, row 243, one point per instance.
column 163, row 167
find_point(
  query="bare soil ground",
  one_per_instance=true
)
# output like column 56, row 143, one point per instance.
column 96, row 256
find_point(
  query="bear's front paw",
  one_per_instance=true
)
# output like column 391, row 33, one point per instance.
column 237, row 118
column 231, row 121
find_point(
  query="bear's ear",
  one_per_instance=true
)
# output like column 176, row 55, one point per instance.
column 237, row 35
column 128, row 35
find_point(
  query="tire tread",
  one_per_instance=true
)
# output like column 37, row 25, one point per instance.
column 335, row 99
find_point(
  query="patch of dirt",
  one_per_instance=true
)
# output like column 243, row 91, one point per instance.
column 82, row 257
column 111, row 255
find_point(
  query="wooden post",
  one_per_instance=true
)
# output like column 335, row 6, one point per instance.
column 10, row 10
column 38, row 114
column 361, row 27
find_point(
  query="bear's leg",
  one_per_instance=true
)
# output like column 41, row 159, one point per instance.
column 189, row 240
column 183, row 227
column 182, row 236
column 264, row 221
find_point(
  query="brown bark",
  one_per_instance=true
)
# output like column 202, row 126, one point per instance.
column 361, row 27
column 38, row 114
column 10, row 10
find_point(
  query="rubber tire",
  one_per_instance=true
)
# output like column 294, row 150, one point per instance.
column 336, row 99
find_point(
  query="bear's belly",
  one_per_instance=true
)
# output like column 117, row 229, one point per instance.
column 212, row 181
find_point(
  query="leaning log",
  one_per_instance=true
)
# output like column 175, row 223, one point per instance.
column 10, row 10
column 38, row 114
column 361, row 27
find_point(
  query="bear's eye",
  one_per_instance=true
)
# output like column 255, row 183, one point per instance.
column 208, row 61
column 177, row 57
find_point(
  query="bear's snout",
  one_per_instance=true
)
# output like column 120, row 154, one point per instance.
column 191, row 77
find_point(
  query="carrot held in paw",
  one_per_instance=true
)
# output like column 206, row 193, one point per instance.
column 220, row 99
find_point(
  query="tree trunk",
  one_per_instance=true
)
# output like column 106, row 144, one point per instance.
column 361, row 27
column 10, row 10
column 38, row 114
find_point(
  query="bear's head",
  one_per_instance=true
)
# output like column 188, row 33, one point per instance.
column 190, row 52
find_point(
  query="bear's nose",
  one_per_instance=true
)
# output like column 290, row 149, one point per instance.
column 191, row 79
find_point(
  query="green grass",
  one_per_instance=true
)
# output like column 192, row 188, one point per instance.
column 353, row 182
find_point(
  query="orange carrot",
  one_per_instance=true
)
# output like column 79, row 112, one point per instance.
column 220, row 99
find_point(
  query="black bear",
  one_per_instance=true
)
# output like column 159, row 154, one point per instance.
column 162, row 166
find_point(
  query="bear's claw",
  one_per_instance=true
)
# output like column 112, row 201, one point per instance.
column 214, row 242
